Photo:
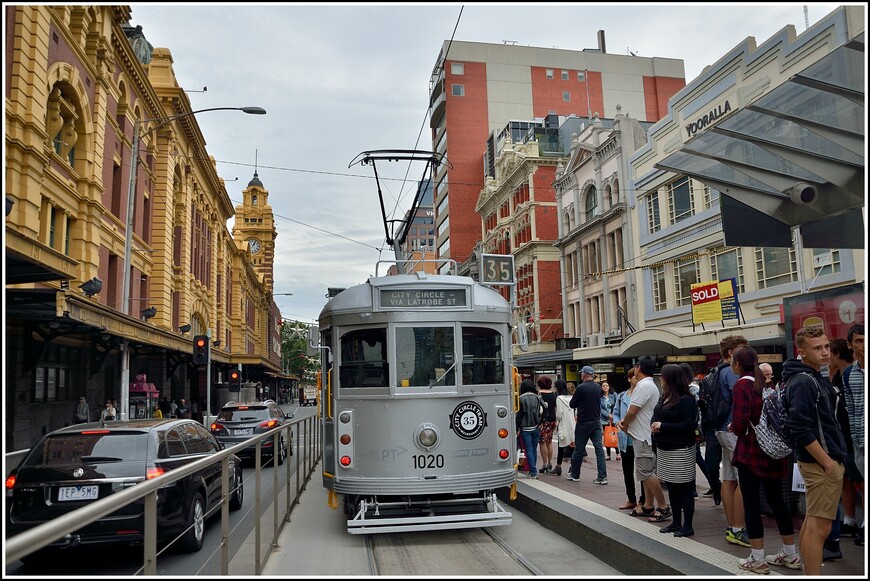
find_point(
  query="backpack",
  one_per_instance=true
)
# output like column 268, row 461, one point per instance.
column 772, row 433
column 531, row 415
column 713, row 405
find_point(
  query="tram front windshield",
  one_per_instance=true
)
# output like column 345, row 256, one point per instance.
column 425, row 356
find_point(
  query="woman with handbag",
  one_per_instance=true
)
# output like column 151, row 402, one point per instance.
column 608, row 401
column 673, row 430
column 755, row 469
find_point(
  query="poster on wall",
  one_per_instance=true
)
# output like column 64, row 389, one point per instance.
column 835, row 310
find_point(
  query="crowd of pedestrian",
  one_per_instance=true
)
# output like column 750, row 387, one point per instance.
column 662, row 428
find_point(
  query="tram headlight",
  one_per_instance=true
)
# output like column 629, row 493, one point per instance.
column 501, row 411
column 503, row 433
column 428, row 437
column 344, row 439
column 344, row 417
column 345, row 460
column 504, row 454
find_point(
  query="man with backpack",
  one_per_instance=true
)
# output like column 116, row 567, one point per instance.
column 529, row 420
column 719, row 415
column 818, row 441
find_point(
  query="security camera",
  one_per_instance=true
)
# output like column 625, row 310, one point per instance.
column 803, row 193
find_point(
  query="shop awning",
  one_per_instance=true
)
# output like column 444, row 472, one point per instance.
column 532, row 359
column 792, row 158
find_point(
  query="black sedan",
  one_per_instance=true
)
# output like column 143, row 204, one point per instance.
column 77, row 465
column 240, row 421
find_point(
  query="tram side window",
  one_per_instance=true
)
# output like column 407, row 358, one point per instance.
column 425, row 356
column 482, row 360
column 364, row 358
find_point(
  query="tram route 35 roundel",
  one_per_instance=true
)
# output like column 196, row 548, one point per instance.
column 468, row 420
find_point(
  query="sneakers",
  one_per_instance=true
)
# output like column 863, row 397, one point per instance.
column 572, row 478
column 600, row 480
column 831, row 551
column 738, row 538
column 754, row 565
column 533, row 476
column 850, row 529
column 782, row 560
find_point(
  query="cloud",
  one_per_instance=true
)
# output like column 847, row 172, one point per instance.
column 337, row 80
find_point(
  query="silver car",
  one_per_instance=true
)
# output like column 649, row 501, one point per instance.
column 240, row 421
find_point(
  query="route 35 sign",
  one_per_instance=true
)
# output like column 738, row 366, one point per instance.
column 497, row 269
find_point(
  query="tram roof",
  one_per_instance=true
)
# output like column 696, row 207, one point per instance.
column 360, row 297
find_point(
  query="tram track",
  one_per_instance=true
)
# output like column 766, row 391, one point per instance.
column 460, row 552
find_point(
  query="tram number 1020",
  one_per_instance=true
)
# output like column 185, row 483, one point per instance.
column 422, row 461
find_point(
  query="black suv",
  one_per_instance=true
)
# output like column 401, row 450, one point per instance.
column 240, row 421
column 77, row 465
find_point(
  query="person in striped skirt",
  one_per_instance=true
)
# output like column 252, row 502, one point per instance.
column 673, row 430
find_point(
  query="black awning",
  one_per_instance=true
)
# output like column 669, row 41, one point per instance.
column 563, row 356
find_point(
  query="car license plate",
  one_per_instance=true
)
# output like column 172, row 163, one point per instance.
column 242, row 432
column 78, row 493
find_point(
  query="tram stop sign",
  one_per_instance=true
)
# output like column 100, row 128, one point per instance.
column 497, row 269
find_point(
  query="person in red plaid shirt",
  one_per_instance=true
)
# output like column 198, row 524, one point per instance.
column 756, row 469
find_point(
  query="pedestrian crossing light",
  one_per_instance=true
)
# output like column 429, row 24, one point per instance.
column 235, row 384
column 200, row 350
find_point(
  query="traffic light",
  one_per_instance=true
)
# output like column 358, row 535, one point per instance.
column 200, row 350
column 235, row 384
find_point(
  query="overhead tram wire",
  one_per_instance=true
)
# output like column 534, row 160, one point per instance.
column 425, row 117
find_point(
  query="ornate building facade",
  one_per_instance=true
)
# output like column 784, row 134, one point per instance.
column 79, row 83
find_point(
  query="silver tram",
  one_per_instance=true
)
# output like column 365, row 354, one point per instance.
column 418, row 403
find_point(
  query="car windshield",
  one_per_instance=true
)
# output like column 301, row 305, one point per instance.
column 244, row 413
column 84, row 447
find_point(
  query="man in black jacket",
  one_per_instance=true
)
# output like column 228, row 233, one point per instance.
column 819, row 443
column 587, row 401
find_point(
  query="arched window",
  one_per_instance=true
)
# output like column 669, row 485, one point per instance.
column 63, row 122
column 591, row 202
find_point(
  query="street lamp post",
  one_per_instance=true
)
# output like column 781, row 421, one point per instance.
column 128, row 241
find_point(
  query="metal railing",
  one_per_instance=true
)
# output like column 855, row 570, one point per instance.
column 307, row 454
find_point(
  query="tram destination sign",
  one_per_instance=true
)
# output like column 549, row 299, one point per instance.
column 423, row 298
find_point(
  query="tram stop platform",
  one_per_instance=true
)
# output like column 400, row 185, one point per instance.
column 588, row 514
column 584, row 513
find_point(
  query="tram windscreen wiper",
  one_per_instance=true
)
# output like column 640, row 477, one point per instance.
column 443, row 375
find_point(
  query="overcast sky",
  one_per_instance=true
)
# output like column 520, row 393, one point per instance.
column 337, row 80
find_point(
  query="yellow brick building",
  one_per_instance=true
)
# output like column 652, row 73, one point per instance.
column 78, row 81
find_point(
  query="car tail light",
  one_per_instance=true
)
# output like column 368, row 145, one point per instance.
column 217, row 428
column 10, row 481
column 269, row 424
column 153, row 472
column 95, row 431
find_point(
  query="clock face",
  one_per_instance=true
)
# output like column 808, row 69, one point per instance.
column 253, row 246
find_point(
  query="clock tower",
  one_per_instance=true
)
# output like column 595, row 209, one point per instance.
column 254, row 230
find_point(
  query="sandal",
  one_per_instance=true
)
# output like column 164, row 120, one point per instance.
column 643, row 511
column 663, row 514
column 627, row 505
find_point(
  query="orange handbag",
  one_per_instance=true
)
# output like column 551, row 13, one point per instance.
column 610, row 438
